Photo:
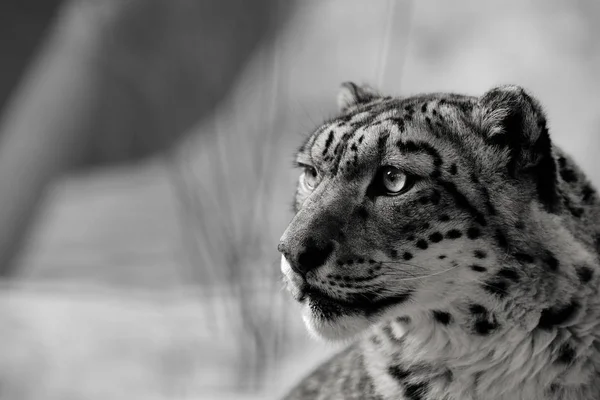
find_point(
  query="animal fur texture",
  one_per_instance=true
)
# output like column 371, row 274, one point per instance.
column 453, row 244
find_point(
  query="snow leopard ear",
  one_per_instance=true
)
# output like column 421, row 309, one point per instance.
column 351, row 95
column 511, row 119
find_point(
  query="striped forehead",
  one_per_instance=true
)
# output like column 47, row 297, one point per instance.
column 362, row 138
column 349, row 144
column 355, row 140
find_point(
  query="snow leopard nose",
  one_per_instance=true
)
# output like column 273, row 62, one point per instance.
column 308, row 256
column 317, row 230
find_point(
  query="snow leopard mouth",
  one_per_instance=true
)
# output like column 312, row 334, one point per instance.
column 322, row 305
column 364, row 304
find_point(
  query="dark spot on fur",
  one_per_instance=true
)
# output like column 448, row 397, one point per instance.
column 442, row 256
column 415, row 391
column 509, row 273
column 566, row 354
column 453, row 169
column 477, row 309
column 444, row 218
column 551, row 261
column 587, row 193
column 399, row 122
column 435, row 174
column 442, row 317
column 562, row 162
column 337, row 148
column 407, row 256
column 520, row 225
column 555, row 388
column 465, row 106
column 568, row 175
column 525, row 258
column 478, row 268
column 453, row 234
column 423, row 200
column 362, row 212
column 501, row 239
column 328, row 142
column 485, row 322
column 424, row 108
column 473, row 233
column 409, row 228
column 425, row 225
column 577, row 212
column 488, row 203
column 557, row 315
column 398, row 373
column 484, row 327
column 436, row 237
column 410, row 238
column 382, row 141
column 585, row 274
column 393, row 253
column 545, row 169
column 435, row 197
column 448, row 375
column 429, row 125
column 422, row 244
column 479, row 254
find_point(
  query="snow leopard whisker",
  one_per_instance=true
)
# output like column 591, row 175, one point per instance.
column 416, row 277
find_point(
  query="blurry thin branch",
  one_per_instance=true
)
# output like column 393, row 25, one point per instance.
column 387, row 45
column 225, row 211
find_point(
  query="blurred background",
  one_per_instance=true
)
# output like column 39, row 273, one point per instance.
column 145, row 169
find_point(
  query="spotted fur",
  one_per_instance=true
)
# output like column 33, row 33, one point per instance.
column 479, row 281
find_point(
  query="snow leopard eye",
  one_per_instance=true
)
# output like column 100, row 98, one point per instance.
column 393, row 181
column 309, row 178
